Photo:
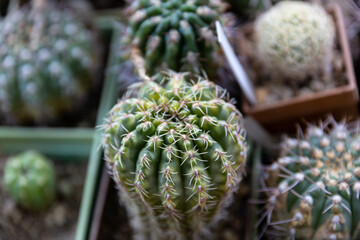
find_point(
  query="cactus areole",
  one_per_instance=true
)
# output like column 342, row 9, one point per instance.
column 317, row 195
column 30, row 179
column 176, row 152
column 47, row 60
column 175, row 34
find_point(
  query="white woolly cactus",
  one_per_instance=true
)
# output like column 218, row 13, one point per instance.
column 295, row 39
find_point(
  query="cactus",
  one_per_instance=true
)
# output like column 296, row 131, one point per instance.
column 176, row 151
column 174, row 34
column 295, row 39
column 317, row 190
column 29, row 178
column 47, row 62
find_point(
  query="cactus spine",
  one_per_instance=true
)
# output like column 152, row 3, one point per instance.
column 29, row 178
column 318, row 185
column 175, row 34
column 176, row 152
column 47, row 60
column 295, row 39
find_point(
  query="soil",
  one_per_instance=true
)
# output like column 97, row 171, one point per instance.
column 59, row 221
column 270, row 87
column 234, row 225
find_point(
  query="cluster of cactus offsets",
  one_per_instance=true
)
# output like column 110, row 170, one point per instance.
column 47, row 61
column 175, row 34
column 29, row 178
column 295, row 39
column 177, row 151
column 317, row 192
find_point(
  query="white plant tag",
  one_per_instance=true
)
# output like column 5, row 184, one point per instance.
column 235, row 65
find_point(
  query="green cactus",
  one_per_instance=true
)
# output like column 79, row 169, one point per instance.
column 176, row 152
column 47, row 62
column 29, row 178
column 175, row 34
column 314, row 187
column 295, row 39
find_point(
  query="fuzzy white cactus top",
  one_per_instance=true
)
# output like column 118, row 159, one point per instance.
column 295, row 38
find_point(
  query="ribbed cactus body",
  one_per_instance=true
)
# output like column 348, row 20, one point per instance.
column 295, row 39
column 318, row 185
column 175, row 34
column 47, row 63
column 176, row 152
column 30, row 179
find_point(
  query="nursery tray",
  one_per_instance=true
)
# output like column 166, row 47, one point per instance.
column 110, row 95
column 70, row 173
column 341, row 101
column 57, row 142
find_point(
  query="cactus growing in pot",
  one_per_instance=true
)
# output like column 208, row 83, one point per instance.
column 47, row 62
column 176, row 151
column 174, row 34
column 315, row 189
column 295, row 39
column 30, row 179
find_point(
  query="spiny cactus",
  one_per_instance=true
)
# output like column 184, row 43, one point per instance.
column 29, row 178
column 318, row 185
column 175, row 34
column 47, row 62
column 295, row 39
column 176, row 152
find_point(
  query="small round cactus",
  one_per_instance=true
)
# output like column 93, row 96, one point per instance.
column 175, row 34
column 176, row 151
column 314, row 187
column 47, row 61
column 29, row 178
column 295, row 39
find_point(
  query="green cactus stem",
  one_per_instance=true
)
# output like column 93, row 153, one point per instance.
column 29, row 178
column 314, row 187
column 176, row 151
column 47, row 60
column 175, row 34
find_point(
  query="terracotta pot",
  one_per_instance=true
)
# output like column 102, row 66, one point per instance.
column 341, row 101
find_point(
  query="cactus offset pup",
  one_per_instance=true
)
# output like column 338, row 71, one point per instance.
column 176, row 152
column 29, row 178
column 317, row 190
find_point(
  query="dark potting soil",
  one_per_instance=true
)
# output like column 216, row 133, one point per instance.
column 58, row 222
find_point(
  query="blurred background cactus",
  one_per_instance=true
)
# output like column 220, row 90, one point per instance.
column 296, row 39
column 176, row 151
column 174, row 34
column 314, row 187
column 48, row 59
column 249, row 8
column 30, row 179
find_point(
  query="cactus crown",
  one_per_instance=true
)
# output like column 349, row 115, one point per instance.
column 29, row 178
column 176, row 152
column 295, row 38
column 175, row 34
column 318, row 190
column 47, row 58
